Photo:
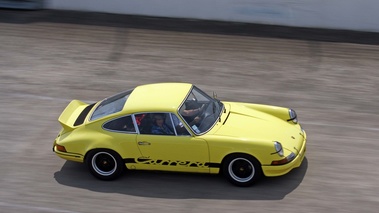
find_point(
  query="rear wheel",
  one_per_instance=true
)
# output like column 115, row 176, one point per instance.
column 105, row 164
column 241, row 169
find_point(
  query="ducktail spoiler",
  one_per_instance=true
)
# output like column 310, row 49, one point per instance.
column 74, row 114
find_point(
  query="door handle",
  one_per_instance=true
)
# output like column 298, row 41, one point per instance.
column 143, row 143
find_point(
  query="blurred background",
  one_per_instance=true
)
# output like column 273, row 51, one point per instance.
column 317, row 57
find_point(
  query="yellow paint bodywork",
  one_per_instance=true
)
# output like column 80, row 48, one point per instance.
column 163, row 97
column 70, row 114
column 243, row 128
column 171, row 153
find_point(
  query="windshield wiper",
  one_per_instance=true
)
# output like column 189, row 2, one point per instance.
column 214, row 107
column 220, row 104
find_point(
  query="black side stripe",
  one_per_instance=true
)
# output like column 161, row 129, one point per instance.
column 129, row 160
column 211, row 165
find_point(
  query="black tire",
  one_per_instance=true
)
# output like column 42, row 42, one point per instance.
column 105, row 164
column 241, row 169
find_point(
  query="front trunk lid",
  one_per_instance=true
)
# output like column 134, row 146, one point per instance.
column 254, row 125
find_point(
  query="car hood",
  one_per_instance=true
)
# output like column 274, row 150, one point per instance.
column 253, row 125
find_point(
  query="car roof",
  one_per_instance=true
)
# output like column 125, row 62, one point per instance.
column 159, row 97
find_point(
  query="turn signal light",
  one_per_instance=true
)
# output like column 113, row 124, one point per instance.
column 288, row 159
column 279, row 162
column 61, row 148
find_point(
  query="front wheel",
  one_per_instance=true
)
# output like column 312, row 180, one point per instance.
column 241, row 169
column 105, row 164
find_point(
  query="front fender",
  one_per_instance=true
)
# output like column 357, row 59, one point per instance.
column 221, row 146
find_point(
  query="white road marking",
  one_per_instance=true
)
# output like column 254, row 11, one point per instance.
column 36, row 208
column 47, row 98
column 39, row 97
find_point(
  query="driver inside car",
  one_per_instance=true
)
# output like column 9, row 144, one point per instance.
column 191, row 112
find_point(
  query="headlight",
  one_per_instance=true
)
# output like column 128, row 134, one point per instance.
column 278, row 148
column 293, row 116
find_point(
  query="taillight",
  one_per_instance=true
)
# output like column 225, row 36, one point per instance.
column 60, row 148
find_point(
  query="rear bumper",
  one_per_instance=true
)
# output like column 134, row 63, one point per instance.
column 271, row 171
column 69, row 156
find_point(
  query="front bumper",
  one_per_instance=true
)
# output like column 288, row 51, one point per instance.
column 271, row 171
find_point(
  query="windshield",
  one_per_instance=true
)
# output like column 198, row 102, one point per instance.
column 111, row 105
column 200, row 111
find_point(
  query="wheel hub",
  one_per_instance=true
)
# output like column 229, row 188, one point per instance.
column 104, row 163
column 241, row 170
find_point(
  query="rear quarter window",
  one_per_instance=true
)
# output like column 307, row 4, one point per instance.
column 123, row 124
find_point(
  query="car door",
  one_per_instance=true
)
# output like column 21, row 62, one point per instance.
column 122, row 132
column 171, row 151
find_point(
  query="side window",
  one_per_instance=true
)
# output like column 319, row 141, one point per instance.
column 179, row 126
column 144, row 123
column 155, row 123
column 123, row 124
column 162, row 124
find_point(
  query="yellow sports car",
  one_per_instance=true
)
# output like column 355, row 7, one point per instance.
column 178, row 127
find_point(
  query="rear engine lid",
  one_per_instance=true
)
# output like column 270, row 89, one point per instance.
column 74, row 114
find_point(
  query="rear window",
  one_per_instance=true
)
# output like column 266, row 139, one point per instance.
column 111, row 105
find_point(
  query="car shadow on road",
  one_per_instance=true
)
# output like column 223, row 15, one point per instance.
column 181, row 185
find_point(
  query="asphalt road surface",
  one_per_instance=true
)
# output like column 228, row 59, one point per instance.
column 333, row 86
